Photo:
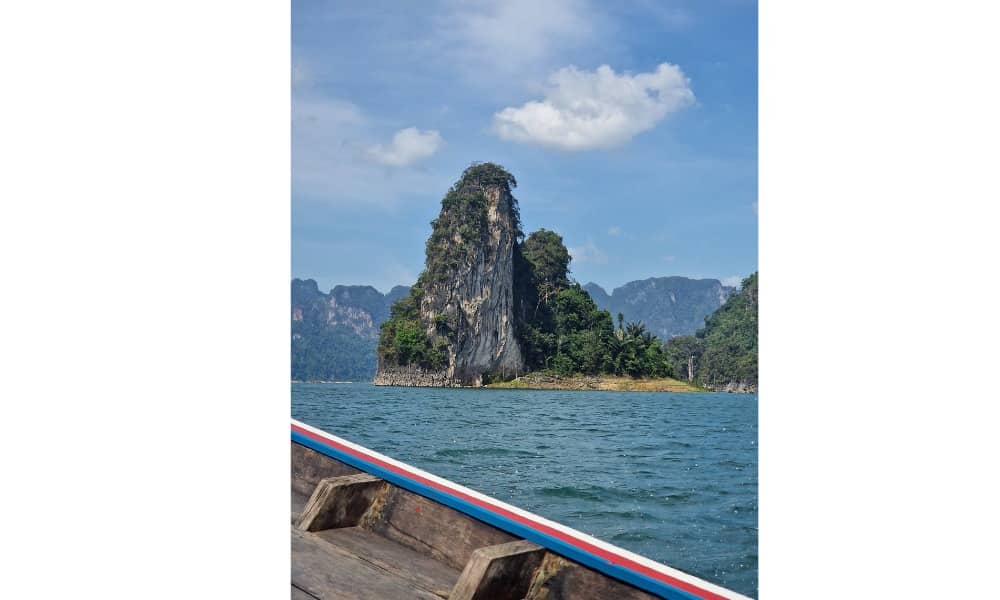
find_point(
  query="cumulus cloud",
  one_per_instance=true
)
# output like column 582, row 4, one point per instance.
column 407, row 147
column 330, row 138
column 585, row 110
column 588, row 253
column 615, row 231
column 732, row 280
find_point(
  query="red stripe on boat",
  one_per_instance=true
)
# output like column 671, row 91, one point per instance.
column 610, row 557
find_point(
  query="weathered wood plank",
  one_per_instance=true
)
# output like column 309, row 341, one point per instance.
column 298, row 503
column 298, row 594
column 423, row 571
column 328, row 573
column 501, row 572
column 433, row 529
column 560, row 579
column 309, row 467
column 339, row 502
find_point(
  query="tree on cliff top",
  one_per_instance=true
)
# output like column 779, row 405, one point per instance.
column 463, row 223
column 549, row 260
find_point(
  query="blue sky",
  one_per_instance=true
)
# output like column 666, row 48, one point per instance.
column 632, row 131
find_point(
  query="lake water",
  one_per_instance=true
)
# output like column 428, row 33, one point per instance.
column 669, row 476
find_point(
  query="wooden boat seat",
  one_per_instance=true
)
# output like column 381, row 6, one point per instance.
column 357, row 536
column 321, row 570
column 380, row 541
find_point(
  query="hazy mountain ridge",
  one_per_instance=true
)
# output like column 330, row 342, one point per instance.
column 668, row 306
column 334, row 335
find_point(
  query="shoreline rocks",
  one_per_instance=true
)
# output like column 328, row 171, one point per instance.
column 404, row 377
column 734, row 387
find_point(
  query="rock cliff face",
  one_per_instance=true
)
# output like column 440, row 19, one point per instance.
column 479, row 300
column 464, row 299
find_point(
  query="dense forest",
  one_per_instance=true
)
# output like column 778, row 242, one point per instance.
column 563, row 330
column 725, row 350
column 324, row 353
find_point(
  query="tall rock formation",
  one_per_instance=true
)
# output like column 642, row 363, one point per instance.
column 457, row 326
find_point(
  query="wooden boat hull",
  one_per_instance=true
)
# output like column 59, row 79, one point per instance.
column 368, row 526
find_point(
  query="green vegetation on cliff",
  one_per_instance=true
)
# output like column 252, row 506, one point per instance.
column 404, row 340
column 730, row 340
column 462, row 225
column 460, row 229
column 725, row 350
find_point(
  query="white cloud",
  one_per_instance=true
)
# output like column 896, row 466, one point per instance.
column 408, row 146
column 507, row 38
column 585, row 110
column 732, row 280
column 588, row 253
column 329, row 140
column 615, row 231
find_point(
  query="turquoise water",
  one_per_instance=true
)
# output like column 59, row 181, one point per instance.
column 669, row 476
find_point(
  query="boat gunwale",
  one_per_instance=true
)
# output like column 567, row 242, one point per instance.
column 613, row 561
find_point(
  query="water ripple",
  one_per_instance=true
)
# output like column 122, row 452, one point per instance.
column 669, row 476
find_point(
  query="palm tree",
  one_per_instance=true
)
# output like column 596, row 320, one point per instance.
column 635, row 330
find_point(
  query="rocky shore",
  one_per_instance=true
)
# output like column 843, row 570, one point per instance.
column 735, row 387
column 409, row 377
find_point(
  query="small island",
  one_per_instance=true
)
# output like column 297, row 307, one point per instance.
column 496, row 308
column 600, row 383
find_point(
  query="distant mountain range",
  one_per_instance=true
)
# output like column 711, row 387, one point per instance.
column 668, row 306
column 335, row 334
